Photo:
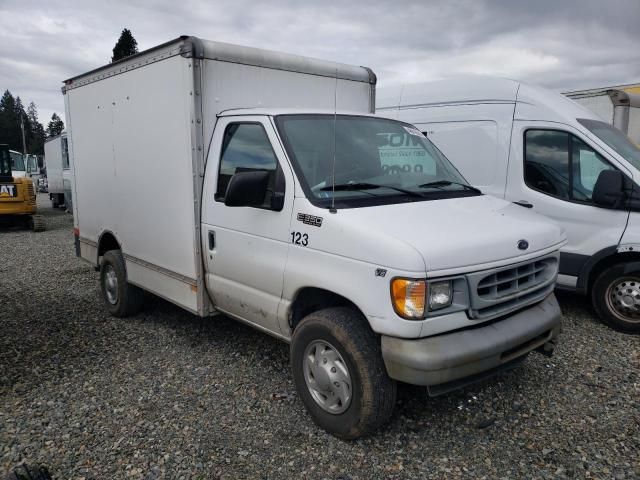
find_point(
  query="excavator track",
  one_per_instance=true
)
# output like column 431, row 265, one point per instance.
column 38, row 223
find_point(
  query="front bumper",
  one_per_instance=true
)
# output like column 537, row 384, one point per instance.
column 452, row 360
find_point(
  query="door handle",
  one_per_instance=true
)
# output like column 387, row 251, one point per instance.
column 212, row 239
column 524, row 203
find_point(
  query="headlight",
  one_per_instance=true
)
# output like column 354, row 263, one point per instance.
column 408, row 297
column 440, row 295
column 411, row 298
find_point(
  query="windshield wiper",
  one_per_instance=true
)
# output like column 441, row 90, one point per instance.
column 444, row 183
column 350, row 186
column 368, row 186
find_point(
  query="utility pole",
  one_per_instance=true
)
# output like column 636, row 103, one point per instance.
column 24, row 144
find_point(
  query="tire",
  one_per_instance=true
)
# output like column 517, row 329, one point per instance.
column 371, row 399
column 121, row 298
column 616, row 298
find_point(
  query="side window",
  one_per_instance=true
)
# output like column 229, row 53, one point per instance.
column 5, row 162
column 587, row 165
column 561, row 165
column 65, row 153
column 546, row 162
column 245, row 148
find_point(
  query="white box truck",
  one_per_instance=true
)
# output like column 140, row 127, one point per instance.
column 619, row 106
column 539, row 149
column 259, row 185
column 56, row 158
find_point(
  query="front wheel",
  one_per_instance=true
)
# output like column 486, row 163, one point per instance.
column 339, row 373
column 616, row 298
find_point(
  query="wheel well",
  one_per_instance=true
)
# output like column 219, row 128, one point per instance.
column 607, row 262
column 107, row 242
column 309, row 300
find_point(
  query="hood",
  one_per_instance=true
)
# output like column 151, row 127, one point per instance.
column 460, row 232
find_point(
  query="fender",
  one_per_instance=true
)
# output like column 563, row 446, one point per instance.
column 583, row 265
column 99, row 245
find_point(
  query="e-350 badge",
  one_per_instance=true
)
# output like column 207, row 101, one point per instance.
column 310, row 219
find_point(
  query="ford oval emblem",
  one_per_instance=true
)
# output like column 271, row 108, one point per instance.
column 523, row 244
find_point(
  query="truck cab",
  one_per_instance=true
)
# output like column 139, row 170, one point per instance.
column 548, row 154
column 389, row 212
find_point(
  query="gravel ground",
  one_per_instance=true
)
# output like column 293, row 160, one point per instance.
column 167, row 395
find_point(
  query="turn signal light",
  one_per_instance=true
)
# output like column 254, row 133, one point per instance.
column 408, row 297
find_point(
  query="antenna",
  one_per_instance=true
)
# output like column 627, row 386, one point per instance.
column 333, row 168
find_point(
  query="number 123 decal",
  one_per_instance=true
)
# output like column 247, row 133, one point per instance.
column 298, row 238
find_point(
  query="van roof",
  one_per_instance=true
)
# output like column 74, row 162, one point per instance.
column 454, row 90
column 534, row 103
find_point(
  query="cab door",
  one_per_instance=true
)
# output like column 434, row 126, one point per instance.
column 553, row 169
column 245, row 248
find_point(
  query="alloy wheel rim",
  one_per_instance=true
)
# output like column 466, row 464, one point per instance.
column 623, row 299
column 327, row 377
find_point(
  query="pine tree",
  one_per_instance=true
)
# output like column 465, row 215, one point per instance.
column 125, row 46
column 23, row 122
column 36, row 137
column 12, row 113
column 10, row 122
column 55, row 127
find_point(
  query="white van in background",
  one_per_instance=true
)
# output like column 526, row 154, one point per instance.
column 543, row 151
column 56, row 157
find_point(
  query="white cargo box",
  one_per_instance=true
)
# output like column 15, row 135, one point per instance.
column 54, row 162
column 138, row 132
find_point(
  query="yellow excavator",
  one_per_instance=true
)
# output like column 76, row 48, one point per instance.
column 17, row 196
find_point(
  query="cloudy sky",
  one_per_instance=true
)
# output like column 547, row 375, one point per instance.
column 562, row 44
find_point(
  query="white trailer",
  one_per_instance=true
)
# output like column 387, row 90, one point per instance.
column 618, row 106
column 259, row 184
column 56, row 160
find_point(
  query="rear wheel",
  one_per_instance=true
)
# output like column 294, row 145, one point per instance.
column 616, row 298
column 121, row 298
column 339, row 373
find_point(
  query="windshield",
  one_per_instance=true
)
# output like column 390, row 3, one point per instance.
column 617, row 140
column 17, row 161
column 376, row 161
column 32, row 163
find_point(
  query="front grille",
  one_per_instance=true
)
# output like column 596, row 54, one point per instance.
column 503, row 290
column 500, row 284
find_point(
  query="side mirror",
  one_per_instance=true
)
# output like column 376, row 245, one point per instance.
column 247, row 189
column 608, row 190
